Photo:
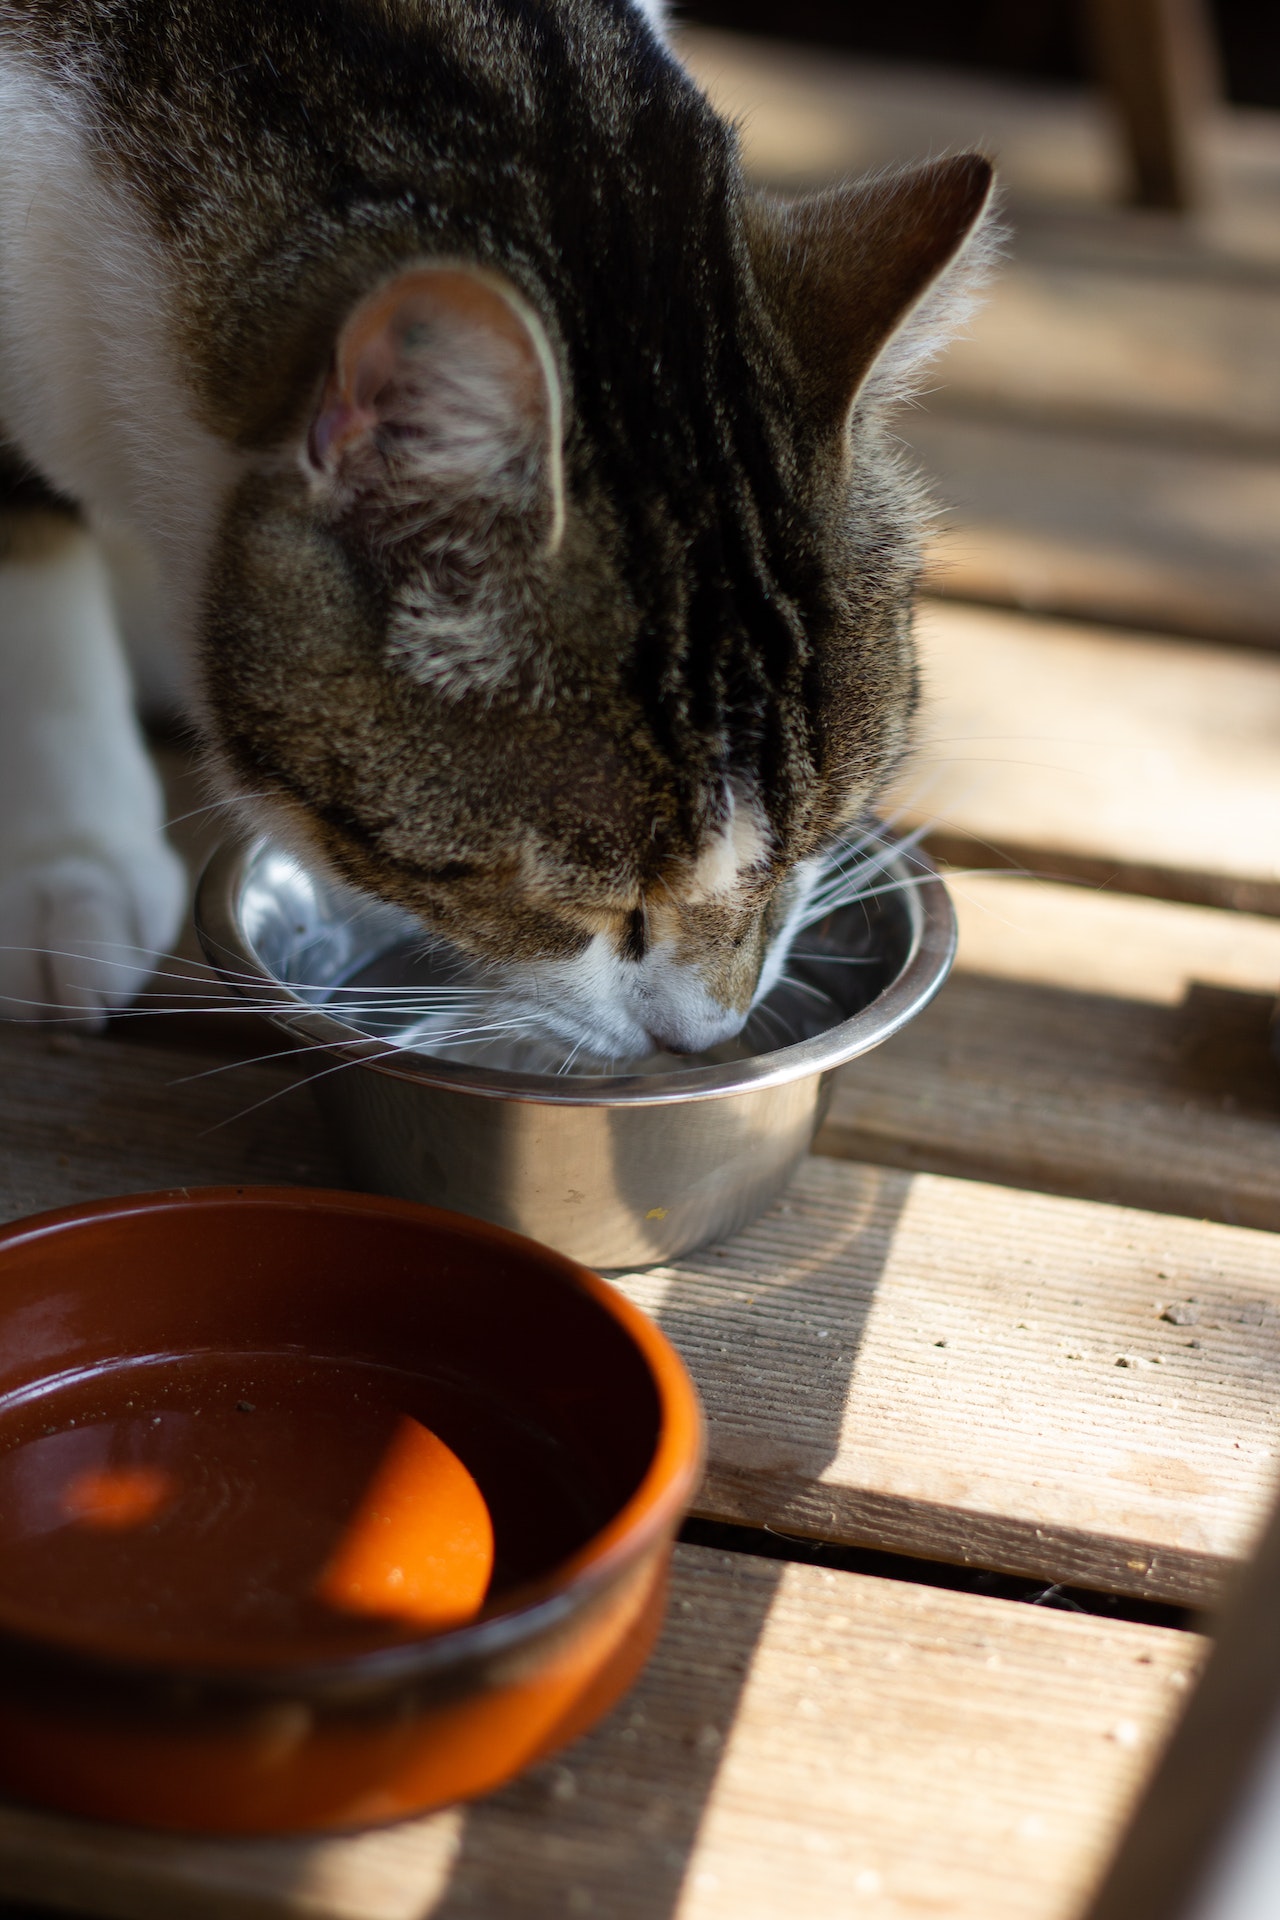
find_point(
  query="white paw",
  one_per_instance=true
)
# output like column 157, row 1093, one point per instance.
column 80, row 933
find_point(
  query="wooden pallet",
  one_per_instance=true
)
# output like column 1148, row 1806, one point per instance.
column 1099, row 756
column 803, row 1740
column 1106, row 441
column 964, row 1369
column 1019, row 1316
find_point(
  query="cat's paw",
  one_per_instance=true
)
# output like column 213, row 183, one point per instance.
column 80, row 934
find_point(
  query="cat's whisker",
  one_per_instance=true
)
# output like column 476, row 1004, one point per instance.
column 99, row 954
column 214, row 806
column 299, row 1051
column 409, row 1041
column 829, row 960
column 844, row 885
column 461, row 1019
column 261, row 1060
column 904, row 885
column 430, row 1003
column 55, row 1013
column 289, row 1086
column 804, row 986
column 870, row 853
column 83, row 952
column 766, row 1014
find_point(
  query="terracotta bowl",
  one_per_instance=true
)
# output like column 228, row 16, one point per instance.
column 317, row 1509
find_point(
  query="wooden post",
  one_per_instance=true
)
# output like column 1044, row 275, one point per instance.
column 1157, row 60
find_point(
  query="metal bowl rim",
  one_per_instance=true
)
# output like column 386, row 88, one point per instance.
column 928, row 962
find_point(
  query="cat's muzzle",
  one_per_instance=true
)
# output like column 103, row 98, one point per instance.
column 615, row 1169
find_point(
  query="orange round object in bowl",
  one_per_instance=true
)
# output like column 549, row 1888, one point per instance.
column 317, row 1509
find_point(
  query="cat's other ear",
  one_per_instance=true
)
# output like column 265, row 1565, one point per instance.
column 869, row 281
column 441, row 394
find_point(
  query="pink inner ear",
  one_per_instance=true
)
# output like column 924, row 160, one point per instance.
column 373, row 353
column 337, row 424
column 364, row 367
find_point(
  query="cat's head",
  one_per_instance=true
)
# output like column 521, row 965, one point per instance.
column 583, row 649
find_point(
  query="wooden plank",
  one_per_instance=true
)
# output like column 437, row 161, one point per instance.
column 1180, row 358
column 913, row 1362
column 1107, row 436
column 808, row 113
column 803, row 1741
column 1103, row 527
column 80, row 1118
column 1088, row 1044
column 1083, row 753
column 1088, row 321
column 1146, row 952
column 1002, row 1379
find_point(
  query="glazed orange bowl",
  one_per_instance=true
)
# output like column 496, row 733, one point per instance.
column 317, row 1509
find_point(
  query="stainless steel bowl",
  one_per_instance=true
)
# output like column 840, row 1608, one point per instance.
column 615, row 1170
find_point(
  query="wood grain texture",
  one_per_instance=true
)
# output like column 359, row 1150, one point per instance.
column 1103, row 527
column 1089, row 1044
column 1053, row 1387
column 80, row 1118
column 916, row 1363
column 1082, row 753
column 1176, row 1110
column 803, row 1741
column 1150, row 952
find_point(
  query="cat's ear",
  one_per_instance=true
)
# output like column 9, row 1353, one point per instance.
column 869, row 281
column 442, row 391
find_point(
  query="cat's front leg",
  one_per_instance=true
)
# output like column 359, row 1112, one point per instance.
column 89, row 890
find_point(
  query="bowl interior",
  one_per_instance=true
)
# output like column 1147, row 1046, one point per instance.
column 277, row 1428
column 370, row 967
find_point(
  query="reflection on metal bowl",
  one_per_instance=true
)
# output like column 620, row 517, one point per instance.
column 617, row 1169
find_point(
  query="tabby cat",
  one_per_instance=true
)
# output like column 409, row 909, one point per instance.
column 513, row 479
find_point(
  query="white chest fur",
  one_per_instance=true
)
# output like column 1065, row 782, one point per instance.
column 90, row 389
column 91, row 394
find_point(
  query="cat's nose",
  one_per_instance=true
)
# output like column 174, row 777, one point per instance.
column 695, row 1035
column 661, row 1043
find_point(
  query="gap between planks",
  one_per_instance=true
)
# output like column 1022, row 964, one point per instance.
column 803, row 1741
column 1055, row 520
column 1126, row 761
column 1107, row 434
column 807, row 115
column 1106, row 1047
column 918, row 1363
column 1081, row 1393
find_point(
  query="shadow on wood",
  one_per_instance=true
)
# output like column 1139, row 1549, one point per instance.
column 626, row 1827
column 1197, row 1848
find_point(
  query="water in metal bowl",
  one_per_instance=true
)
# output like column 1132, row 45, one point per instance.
column 614, row 1168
